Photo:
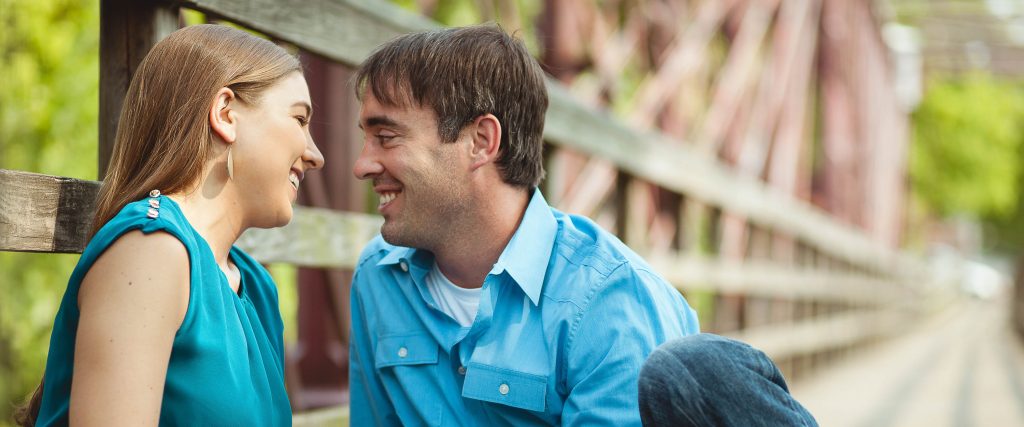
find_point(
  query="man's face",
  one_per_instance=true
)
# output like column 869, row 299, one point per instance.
column 420, row 181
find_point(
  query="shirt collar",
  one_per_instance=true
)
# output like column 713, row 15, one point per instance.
column 396, row 255
column 525, row 258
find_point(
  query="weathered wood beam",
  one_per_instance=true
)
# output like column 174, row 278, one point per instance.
column 30, row 206
column 819, row 334
column 345, row 31
column 326, row 417
column 128, row 30
column 43, row 213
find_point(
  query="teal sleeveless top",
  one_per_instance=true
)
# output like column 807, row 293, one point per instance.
column 227, row 362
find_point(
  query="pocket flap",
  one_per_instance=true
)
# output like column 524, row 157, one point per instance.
column 505, row 386
column 417, row 348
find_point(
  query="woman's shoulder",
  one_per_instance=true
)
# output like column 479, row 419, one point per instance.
column 149, row 215
column 157, row 263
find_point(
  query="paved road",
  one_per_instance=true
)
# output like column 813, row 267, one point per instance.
column 963, row 367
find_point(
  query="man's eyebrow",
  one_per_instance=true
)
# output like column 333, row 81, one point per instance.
column 377, row 121
column 309, row 109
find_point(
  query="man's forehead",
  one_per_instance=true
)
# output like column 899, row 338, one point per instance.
column 372, row 106
column 389, row 94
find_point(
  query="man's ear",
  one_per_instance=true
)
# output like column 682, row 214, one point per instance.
column 223, row 118
column 486, row 133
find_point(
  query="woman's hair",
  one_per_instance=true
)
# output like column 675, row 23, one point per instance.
column 163, row 136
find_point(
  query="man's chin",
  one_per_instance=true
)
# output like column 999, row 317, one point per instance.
column 391, row 234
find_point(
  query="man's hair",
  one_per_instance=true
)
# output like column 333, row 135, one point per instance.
column 461, row 74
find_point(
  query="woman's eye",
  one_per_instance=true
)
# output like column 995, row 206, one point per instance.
column 303, row 121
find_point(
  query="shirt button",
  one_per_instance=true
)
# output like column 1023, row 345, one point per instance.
column 503, row 389
column 404, row 265
column 402, row 352
column 462, row 370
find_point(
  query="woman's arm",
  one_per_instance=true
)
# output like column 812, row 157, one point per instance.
column 132, row 302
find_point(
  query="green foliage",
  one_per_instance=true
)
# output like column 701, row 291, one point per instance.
column 1005, row 233
column 49, row 103
column 965, row 156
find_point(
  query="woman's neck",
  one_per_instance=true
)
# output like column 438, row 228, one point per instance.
column 212, row 210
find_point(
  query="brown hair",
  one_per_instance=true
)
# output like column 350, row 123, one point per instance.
column 462, row 73
column 163, row 136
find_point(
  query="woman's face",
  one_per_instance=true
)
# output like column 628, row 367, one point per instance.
column 272, row 152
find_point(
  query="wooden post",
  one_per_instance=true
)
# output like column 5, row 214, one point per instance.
column 128, row 29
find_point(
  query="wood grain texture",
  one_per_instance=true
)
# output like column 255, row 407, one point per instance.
column 128, row 30
column 43, row 213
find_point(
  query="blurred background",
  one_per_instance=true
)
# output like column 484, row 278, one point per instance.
column 837, row 182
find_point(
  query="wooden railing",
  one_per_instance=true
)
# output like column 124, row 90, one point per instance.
column 828, row 289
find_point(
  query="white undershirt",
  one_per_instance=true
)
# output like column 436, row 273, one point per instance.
column 459, row 303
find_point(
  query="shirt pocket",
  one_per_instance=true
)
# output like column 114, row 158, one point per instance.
column 506, row 387
column 408, row 366
column 416, row 348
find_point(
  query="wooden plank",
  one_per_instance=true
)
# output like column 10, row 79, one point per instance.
column 334, row 416
column 770, row 279
column 43, row 213
column 314, row 238
column 29, row 208
column 817, row 335
column 344, row 31
column 128, row 29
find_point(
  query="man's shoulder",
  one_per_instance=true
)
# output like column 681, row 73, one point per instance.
column 582, row 243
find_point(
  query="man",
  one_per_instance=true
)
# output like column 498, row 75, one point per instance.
column 479, row 304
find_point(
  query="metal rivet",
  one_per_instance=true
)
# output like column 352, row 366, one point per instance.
column 404, row 265
column 154, row 193
column 402, row 352
column 503, row 389
column 462, row 370
column 154, row 203
column 152, row 213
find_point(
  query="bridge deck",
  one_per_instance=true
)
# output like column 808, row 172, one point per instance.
column 964, row 367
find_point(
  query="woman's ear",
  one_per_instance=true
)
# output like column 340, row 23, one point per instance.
column 223, row 118
column 486, row 133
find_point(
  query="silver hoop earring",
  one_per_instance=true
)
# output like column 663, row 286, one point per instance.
column 231, row 165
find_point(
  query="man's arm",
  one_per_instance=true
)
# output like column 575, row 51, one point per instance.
column 621, row 325
column 368, row 402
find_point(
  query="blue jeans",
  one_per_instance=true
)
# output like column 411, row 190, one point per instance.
column 708, row 380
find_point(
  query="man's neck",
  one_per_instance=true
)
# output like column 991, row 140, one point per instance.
column 468, row 256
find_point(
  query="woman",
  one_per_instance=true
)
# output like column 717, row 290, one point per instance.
column 164, row 321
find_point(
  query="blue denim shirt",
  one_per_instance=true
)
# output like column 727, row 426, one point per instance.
column 567, row 317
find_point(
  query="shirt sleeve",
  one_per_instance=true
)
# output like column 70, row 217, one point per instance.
column 369, row 405
column 626, row 319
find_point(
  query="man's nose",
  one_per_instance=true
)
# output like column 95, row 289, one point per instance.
column 367, row 164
